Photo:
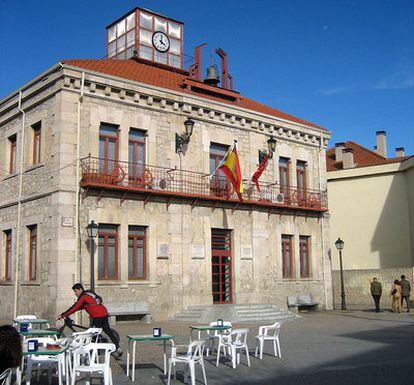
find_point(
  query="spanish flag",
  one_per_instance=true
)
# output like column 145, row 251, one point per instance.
column 230, row 167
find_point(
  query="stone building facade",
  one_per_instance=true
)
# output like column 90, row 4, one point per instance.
column 98, row 141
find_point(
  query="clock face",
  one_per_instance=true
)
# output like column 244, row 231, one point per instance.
column 161, row 41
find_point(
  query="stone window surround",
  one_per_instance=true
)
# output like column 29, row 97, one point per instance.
column 6, row 234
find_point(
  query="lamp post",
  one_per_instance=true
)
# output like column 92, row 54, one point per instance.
column 271, row 146
column 92, row 230
column 340, row 246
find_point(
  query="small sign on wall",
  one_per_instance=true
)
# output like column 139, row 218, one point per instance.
column 198, row 252
column 67, row 222
column 246, row 252
column 163, row 251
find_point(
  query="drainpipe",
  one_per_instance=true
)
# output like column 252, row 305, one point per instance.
column 19, row 208
column 322, row 225
column 78, row 257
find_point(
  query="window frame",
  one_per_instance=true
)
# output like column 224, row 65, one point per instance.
column 37, row 143
column 284, row 168
column 135, row 237
column 301, row 176
column 33, row 242
column 218, row 183
column 106, row 138
column 286, row 240
column 105, row 232
column 304, row 241
column 12, row 154
column 7, row 236
column 133, row 172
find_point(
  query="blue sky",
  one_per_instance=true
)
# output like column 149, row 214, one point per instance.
column 345, row 65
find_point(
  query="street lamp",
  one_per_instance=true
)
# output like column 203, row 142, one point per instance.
column 92, row 230
column 340, row 246
column 271, row 146
column 183, row 139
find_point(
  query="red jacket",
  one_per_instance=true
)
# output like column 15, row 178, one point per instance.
column 88, row 301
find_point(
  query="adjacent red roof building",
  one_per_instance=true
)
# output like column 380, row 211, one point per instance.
column 363, row 157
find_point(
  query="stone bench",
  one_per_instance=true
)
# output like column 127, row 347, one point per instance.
column 128, row 311
column 303, row 301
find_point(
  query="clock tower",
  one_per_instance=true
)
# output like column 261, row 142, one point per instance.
column 146, row 35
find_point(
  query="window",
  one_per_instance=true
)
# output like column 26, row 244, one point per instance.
column 108, row 147
column 219, row 184
column 37, row 135
column 121, row 36
column 304, row 256
column 284, row 175
column 32, row 252
column 137, row 246
column 108, row 252
column 287, row 258
column 301, row 180
column 13, row 155
column 136, row 149
column 7, row 255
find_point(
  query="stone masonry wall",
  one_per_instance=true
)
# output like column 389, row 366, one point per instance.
column 357, row 285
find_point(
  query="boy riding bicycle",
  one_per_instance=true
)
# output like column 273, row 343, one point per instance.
column 92, row 304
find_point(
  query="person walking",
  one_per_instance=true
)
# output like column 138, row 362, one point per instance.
column 376, row 291
column 396, row 296
column 92, row 303
column 405, row 288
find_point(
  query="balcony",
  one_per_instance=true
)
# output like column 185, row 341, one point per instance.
column 157, row 182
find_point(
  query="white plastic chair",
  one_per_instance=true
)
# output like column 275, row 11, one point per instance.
column 45, row 360
column 5, row 377
column 193, row 356
column 88, row 359
column 235, row 342
column 212, row 338
column 80, row 339
column 269, row 333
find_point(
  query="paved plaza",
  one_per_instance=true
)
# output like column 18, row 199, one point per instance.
column 349, row 347
column 337, row 347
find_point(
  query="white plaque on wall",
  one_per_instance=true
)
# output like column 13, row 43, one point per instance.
column 163, row 251
column 67, row 221
column 246, row 252
column 198, row 252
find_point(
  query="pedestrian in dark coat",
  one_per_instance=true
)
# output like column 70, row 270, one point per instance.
column 376, row 291
column 405, row 292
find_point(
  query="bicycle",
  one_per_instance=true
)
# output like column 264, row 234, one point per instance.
column 70, row 324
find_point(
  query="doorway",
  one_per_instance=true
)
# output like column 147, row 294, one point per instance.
column 221, row 266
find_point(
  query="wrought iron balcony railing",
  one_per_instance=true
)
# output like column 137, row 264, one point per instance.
column 143, row 178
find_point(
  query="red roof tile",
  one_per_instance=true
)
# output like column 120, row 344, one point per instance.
column 173, row 80
column 362, row 157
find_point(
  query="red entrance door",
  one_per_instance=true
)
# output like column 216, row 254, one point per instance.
column 221, row 265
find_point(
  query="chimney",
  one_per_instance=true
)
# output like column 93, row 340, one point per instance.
column 399, row 151
column 348, row 158
column 381, row 143
column 338, row 151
